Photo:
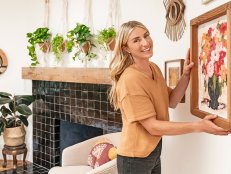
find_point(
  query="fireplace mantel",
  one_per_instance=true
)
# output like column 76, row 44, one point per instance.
column 60, row 74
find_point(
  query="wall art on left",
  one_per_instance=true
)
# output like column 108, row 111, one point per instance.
column 3, row 62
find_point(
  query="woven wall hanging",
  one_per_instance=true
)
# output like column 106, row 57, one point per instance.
column 175, row 23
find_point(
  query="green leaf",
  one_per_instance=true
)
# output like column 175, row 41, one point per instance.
column 24, row 99
column 2, row 126
column 3, row 121
column 11, row 106
column 4, row 100
column 11, row 122
column 5, row 94
column 23, row 120
column 5, row 111
column 23, row 109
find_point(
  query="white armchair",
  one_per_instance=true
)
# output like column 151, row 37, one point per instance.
column 74, row 158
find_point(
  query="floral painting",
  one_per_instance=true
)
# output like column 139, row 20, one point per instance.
column 212, row 69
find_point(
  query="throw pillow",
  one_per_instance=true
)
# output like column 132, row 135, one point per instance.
column 102, row 152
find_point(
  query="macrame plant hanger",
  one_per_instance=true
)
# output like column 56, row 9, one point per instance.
column 114, row 14
column 87, row 20
column 46, row 13
column 46, row 24
column 113, row 19
column 64, row 21
column 175, row 23
column 63, row 27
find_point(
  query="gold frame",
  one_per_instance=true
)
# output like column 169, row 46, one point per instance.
column 180, row 64
column 4, row 62
column 223, row 10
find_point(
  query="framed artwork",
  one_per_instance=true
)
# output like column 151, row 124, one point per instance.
column 3, row 62
column 173, row 72
column 210, row 77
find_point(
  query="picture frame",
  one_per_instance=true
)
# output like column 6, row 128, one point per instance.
column 210, row 47
column 173, row 72
column 3, row 62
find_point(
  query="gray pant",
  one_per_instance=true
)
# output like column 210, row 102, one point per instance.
column 148, row 165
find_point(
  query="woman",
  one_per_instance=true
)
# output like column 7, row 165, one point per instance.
column 140, row 92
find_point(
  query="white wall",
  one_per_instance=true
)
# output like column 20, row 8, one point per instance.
column 185, row 154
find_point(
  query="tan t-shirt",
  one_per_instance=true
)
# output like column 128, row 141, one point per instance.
column 141, row 97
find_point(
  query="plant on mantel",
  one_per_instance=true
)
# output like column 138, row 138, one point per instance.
column 58, row 45
column 40, row 36
column 14, row 112
column 106, row 38
column 80, row 38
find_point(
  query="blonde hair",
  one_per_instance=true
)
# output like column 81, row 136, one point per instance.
column 121, row 59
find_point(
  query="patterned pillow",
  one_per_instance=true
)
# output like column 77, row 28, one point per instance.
column 101, row 153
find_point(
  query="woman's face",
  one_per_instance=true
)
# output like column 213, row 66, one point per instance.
column 140, row 44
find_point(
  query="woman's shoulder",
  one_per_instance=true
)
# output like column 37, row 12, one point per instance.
column 131, row 74
column 155, row 67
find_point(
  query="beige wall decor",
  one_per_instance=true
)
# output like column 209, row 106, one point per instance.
column 175, row 23
column 3, row 62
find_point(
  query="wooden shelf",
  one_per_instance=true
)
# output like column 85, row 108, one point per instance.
column 77, row 75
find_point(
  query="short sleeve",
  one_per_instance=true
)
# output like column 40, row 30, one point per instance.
column 137, row 107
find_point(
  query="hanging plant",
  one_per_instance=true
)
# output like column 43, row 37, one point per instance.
column 80, row 38
column 41, row 37
column 106, row 38
column 58, row 46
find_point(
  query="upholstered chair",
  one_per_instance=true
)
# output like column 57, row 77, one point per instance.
column 74, row 158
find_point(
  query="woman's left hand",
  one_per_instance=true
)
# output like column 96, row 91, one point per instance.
column 187, row 64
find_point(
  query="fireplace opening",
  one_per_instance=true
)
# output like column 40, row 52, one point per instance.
column 73, row 133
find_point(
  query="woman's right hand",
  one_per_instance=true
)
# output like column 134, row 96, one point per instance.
column 207, row 125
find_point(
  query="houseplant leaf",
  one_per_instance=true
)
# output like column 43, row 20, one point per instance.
column 24, row 99
column 4, row 100
column 5, row 94
column 5, row 111
column 23, row 109
column 23, row 119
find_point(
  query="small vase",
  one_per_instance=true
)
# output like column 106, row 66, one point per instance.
column 214, row 92
column 45, row 46
column 86, row 47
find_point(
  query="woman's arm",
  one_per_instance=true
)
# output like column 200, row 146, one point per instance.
column 179, row 91
column 159, row 128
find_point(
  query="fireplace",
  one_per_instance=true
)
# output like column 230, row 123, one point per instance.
column 82, row 103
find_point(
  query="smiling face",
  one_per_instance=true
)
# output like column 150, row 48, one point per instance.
column 139, row 44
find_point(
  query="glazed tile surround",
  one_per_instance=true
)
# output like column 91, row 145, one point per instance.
column 73, row 102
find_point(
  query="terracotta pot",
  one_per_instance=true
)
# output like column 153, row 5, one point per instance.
column 45, row 46
column 14, row 136
column 111, row 44
column 86, row 47
column 64, row 46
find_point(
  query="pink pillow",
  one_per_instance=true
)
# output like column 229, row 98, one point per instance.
column 99, row 154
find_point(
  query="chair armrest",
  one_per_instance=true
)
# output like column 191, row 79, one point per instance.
column 107, row 168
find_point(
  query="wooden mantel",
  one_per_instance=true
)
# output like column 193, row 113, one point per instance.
column 77, row 75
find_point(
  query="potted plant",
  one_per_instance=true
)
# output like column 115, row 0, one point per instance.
column 80, row 38
column 41, row 37
column 14, row 112
column 106, row 38
column 58, row 46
